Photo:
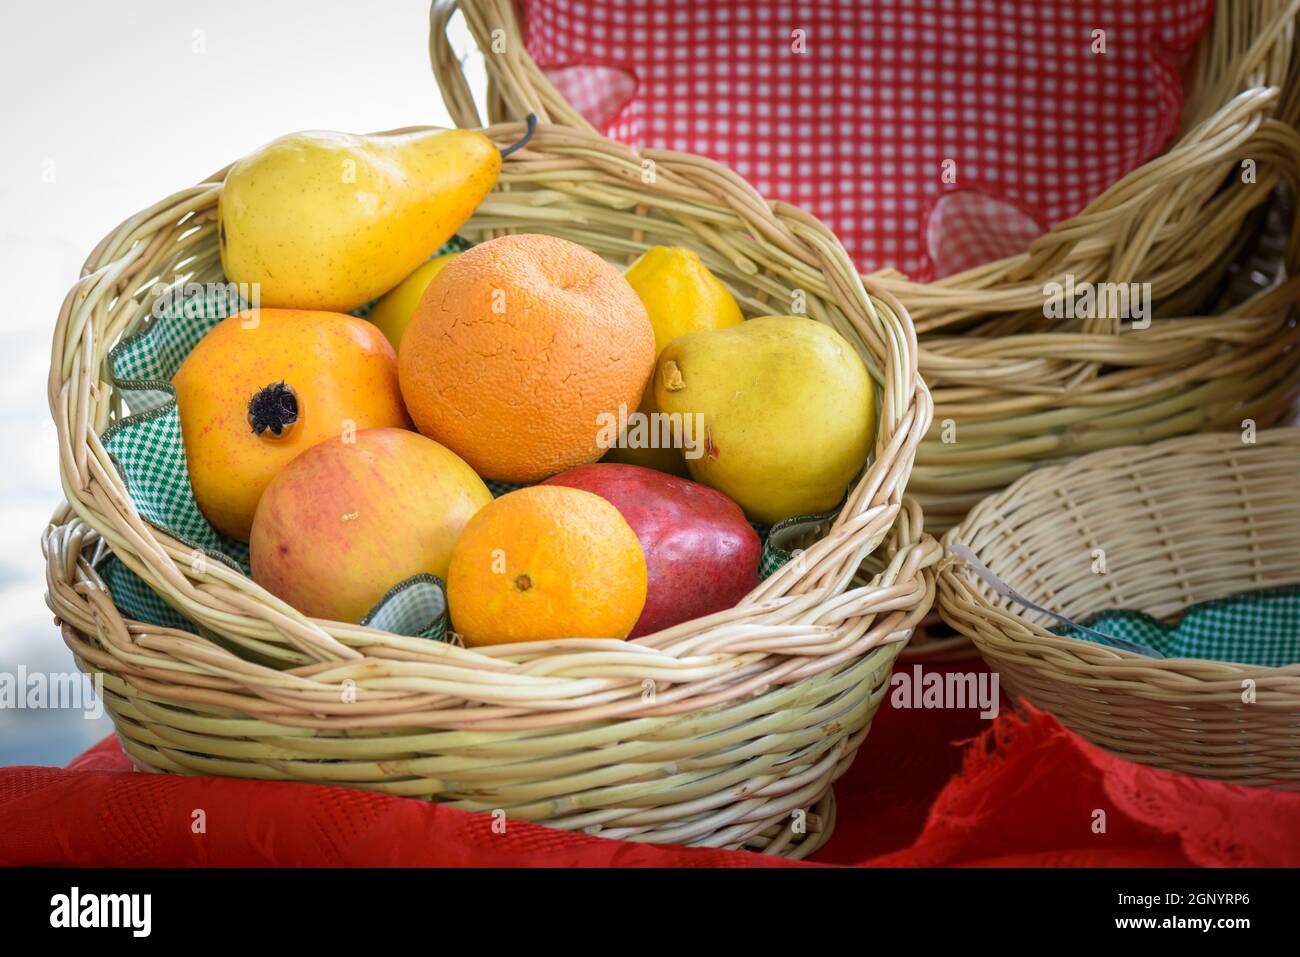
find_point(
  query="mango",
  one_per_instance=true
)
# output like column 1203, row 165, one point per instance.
column 789, row 412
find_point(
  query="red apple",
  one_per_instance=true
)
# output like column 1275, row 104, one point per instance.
column 701, row 554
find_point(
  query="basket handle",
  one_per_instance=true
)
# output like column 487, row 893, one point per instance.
column 516, row 85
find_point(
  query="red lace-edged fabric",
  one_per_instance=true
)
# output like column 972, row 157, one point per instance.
column 929, row 788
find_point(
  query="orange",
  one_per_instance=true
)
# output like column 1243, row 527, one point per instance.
column 546, row 562
column 520, row 351
column 297, row 375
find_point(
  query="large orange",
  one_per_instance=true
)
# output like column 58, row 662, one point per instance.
column 546, row 562
column 519, row 350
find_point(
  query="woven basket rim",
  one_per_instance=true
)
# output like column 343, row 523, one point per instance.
column 1079, row 654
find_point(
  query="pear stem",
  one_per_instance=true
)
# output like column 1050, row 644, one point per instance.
column 528, row 135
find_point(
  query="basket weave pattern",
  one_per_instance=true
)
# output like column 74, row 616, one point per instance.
column 1180, row 522
column 726, row 731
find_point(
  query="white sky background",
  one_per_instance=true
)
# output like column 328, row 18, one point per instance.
column 119, row 100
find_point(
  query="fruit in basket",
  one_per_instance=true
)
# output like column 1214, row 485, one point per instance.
column 394, row 309
column 701, row 554
column 520, row 350
column 264, row 385
column 347, row 520
column 546, row 562
column 680, row 295
column 323, row 220
column 789, row 412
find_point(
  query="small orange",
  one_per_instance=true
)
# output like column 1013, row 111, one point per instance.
column 546, row 562
column 520, row 350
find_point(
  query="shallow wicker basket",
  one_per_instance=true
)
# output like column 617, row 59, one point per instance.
column 1183, row 521
column 726, row 731
column 1016, row 390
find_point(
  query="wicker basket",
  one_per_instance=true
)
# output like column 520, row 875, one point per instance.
column 1017, row 390
column 1182, row 521
column 726, row 731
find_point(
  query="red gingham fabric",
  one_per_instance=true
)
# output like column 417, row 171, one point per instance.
column 851, row 108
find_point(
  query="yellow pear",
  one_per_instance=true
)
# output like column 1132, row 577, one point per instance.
column 788, row 412
column 680, row 295
column 323, row 220
column 394, row 309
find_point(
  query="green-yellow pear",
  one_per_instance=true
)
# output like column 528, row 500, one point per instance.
column 788, row 412
column 323, row 220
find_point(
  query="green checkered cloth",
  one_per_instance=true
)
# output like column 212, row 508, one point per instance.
column 1252, row 628
column 148, row 451
column 785, row 539
column 416, row 606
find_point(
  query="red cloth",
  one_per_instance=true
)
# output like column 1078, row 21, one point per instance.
column 929, row 787
column 855, row 111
